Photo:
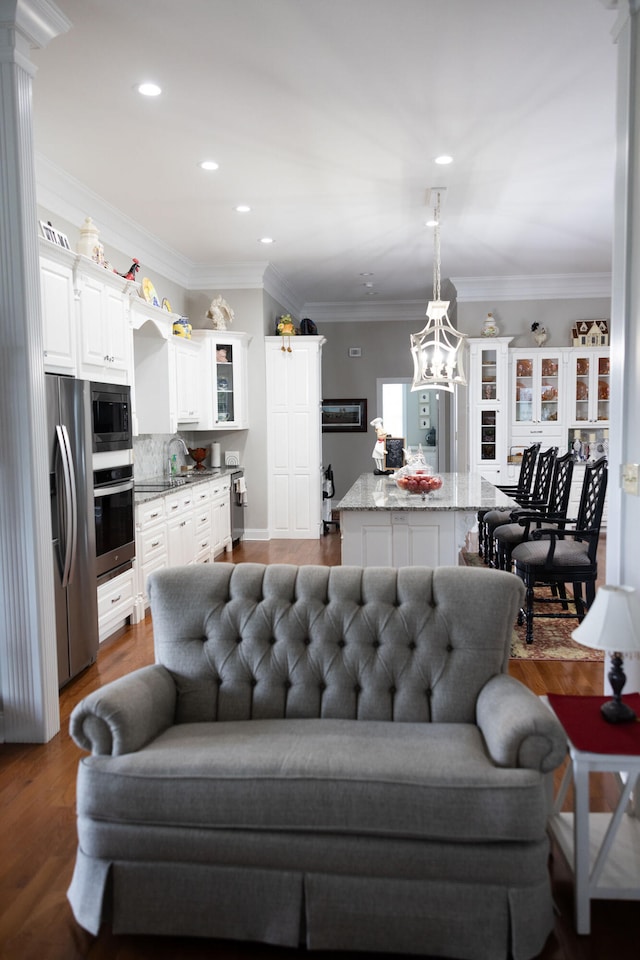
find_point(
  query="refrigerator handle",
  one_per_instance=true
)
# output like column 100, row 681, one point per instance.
column 71, row 504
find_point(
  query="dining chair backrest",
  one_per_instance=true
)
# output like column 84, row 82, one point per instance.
column 594, row 489
column 527, row 468
column 544, row 476
column 561, row 486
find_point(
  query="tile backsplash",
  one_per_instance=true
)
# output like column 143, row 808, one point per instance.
column 151, row 455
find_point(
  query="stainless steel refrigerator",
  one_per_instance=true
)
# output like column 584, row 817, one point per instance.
column 73, row 523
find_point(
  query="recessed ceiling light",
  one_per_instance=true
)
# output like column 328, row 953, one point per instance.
column 366, row 273
column 444, row 159
column 208, row 165
column 243, row 208
column 372, row 293
column 431, row 223
column 266, row 240
column 149, row 89
column 367, row 284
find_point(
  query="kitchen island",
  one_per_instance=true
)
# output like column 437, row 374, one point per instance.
column 382, row 525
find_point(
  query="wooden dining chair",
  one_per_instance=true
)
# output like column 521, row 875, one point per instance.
column 523, row 487
column 538, row 498
column 567, row 554
column 535, row 516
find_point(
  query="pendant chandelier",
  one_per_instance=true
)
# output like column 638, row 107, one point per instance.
column 437, row 350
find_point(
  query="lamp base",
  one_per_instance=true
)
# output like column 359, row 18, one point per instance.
column 615, row 711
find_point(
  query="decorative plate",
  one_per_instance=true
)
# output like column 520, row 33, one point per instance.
column 166, row 305
column 149, row 292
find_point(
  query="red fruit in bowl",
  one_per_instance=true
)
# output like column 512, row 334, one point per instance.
column 436, row 483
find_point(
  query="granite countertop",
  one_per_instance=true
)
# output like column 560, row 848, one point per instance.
column 459, row 491
column 164, row 487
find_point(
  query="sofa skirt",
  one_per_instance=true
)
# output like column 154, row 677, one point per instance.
column 468, row 921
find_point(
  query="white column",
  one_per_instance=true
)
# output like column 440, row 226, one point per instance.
column 624, row 509
column 28, row 661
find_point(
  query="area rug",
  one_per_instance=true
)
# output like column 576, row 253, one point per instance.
column 551, row 638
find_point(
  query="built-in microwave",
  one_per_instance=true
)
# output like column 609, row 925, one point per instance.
column 111, row 416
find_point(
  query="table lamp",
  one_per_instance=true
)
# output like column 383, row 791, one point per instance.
column 613, row 623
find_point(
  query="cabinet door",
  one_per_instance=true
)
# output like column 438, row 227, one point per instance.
column 589, row 389
column 226, row 374
column 93, row 353
column 187, row 381
column 58, row 317
column 537, row 388
column 106, row 340
column 118, row 338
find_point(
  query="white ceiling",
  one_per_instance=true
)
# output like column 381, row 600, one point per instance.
column 325, row 117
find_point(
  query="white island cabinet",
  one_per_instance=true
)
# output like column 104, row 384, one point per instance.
column 381, row 525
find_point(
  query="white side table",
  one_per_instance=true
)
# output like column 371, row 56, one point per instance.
column 602, row 848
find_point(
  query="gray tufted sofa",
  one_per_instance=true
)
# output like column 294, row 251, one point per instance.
column 328, row 756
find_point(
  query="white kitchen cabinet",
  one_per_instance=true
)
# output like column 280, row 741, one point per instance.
column 115, row 603
column 294, row 439
column 152, row 551
column 223, row 379
column 186, row 357
column 105, row 336
column 154, row 398
column 180, row 527
column 202, row 526
column 488, row 406
column 221, row 515
column 589, row 387
column 58, row 308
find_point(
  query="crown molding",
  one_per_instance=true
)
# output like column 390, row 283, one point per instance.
column 70, row 199
column 569, row 286
column 245, row 275
column 387, row 311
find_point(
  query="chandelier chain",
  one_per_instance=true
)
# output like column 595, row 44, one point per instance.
column 436, row 249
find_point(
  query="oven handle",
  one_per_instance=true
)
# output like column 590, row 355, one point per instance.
column 113, row 488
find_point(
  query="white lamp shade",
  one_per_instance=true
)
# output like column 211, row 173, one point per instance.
column 613, row 622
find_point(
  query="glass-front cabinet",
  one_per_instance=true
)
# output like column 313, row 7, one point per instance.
column 225, row 387
column 488, row 405
column 537, row 396
column 224, row 379
column 589, row 387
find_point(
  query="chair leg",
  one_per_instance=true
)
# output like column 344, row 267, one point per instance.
column 559, row 590
column 579, row 602
column 590, row 590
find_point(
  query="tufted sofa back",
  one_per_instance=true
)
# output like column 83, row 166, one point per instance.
column 255, row 641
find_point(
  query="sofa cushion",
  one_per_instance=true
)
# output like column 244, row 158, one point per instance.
column 339, row 776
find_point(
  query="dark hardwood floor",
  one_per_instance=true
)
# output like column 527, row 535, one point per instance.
column 37, row 800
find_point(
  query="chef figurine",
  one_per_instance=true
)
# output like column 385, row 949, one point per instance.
column 380, row 448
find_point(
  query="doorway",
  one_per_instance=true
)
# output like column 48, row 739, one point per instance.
column 418, row 417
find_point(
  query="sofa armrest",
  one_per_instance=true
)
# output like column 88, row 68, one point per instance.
column 124, row 715
column 519, row 730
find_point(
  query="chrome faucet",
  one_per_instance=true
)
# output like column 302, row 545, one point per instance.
column 179, row 440
column 184, row 447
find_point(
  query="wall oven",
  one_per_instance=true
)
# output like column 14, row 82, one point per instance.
column 111, row 417
column 113, row 491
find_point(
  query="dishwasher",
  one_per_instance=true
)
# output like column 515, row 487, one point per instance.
column 238, row 505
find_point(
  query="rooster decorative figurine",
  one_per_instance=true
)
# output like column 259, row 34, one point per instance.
column 539, row 334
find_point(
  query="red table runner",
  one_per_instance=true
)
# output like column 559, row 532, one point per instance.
column 589, row 731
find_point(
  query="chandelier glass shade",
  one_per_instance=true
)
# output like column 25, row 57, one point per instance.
column 437, row 350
